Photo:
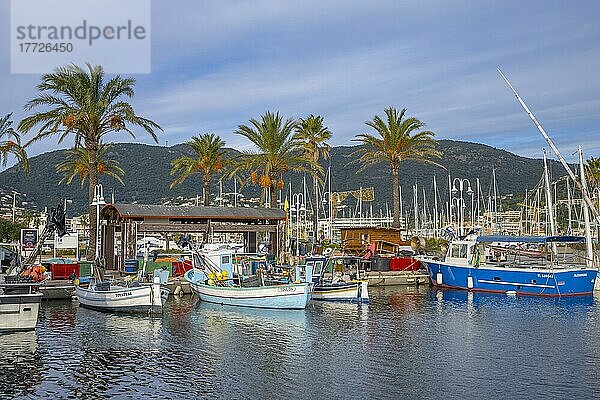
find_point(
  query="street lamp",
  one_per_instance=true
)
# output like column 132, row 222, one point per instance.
column 98, row 201
column 458, row 186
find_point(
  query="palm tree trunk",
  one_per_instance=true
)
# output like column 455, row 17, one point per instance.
column 315, row 207
column 207, row 191
column 396, row 196
column 273, row 195
column 93, row 181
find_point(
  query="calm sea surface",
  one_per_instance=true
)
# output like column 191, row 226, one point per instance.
column 408, row 343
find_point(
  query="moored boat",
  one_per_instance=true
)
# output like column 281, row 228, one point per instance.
column 285, row 296
column 129, row 298
column 468, row 265
column 217, row 283
column 19, row 306
column 333, row 282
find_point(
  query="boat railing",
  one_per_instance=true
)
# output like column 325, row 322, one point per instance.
column 30, row 286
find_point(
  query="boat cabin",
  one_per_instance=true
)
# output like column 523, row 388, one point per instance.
column 461, row 252
column 341, row 266
column 500, row 250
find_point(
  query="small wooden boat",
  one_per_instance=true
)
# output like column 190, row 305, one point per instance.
column 19, row 306
column 129, row 298
column 328, row 287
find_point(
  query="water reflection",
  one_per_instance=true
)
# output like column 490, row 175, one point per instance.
column 409, row 342
column 20, row 364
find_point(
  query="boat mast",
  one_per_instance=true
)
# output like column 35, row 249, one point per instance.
column 416, row 201
column 569, row 201
column 435, row 207
column 586, row 198
column 449, row 221
column 586, row 214
column 549, row 203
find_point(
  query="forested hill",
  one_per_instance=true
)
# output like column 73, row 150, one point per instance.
column 147, row 176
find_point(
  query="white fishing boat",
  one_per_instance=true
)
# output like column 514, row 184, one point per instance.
column 217, row 283
column 121, row 297
column 19, row 306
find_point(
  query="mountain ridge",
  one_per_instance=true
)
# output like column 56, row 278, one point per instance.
column 147, row 176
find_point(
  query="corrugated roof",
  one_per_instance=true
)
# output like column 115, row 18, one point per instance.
column 193, row 212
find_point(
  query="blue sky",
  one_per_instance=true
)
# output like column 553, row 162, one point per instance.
column 216, row 64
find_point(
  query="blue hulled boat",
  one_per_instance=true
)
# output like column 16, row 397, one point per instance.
column 524, row 265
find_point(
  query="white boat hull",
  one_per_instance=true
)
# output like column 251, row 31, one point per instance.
column 354, row 291
column 143, row 299
column 289, row 296
column 19, row 312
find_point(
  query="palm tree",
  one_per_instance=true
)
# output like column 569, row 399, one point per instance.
column 78, row 102
column 10, row 143
column 400, row 139
column 592, row 172
column 208, row 159
column 313, row 135
column 279, row 151
column 77, row 164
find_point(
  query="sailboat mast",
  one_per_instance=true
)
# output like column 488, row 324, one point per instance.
column 549, row 203
column 416, row 201
column 435, row 206
column 569, row 207
column 586, row 214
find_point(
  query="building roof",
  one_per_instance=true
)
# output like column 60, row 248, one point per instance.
column 129, row 211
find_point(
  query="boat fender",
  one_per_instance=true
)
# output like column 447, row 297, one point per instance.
column 438, row 278
column 178, row 291
column 469, row 282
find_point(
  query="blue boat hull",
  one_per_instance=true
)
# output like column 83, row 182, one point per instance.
column 523, row 281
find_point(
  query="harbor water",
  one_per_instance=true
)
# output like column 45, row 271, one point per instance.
column 408, row 343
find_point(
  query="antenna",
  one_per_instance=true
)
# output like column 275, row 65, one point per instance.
column 586, row 198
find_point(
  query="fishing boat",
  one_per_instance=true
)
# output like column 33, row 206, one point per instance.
column 19, row 305
column 469, row 265
column 134, row 297
column 216, row 283
column 338, row 278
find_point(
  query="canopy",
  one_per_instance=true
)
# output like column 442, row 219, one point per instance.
column 530, row 239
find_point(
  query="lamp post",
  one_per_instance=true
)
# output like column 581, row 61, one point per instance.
column 458, row 186
column 98, row 201
column 297, row 207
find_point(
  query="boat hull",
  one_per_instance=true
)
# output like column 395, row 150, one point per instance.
column 354, row 291
column 138, row 299
column 19, row 312
column 523, row 281
column 289, row 296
